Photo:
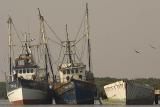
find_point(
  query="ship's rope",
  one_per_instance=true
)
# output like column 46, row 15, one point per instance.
column 82, row 22
column 53, row 41
column 79, row 39
column 54, row 61
column 17, row 33
column 53, row 31
column 83, row 48
column 59, row 55
column 63, row 57
column 76, row 53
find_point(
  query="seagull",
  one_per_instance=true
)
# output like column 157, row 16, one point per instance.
column 137, row 51
column 152, row 47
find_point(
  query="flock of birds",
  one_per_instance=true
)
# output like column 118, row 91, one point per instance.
column 139, row 52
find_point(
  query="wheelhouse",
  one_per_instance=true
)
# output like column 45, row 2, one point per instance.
column 25, row 68
column 68, row 72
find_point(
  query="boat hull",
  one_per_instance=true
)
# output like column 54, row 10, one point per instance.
column 75, row 92
column 23, row 94
column 129, row 93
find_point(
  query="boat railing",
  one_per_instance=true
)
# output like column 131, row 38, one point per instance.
column 72, row 76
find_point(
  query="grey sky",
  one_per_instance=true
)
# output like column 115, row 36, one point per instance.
column 118, row 27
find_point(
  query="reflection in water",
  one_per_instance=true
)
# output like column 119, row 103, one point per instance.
column 5, row 103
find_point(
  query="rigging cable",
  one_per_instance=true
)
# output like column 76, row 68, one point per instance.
column 80, row 27
column 54, row 62
column 80, row 39
column 63, row 57
column 59, row 55
column 52, row 31
column 17, row 33
column 77, row 54
column 55, row 42
column 83, row 48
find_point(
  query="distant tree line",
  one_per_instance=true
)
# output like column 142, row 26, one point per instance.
column 101, row 82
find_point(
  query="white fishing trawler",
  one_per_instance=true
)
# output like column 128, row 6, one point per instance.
column 27, row 82
column 127, row 92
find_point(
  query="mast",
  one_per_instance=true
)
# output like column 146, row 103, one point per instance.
column 26, row 45
column 43, row 40
column 50, row 62
column 10, row 44
column 69, row 47
column 88, row 39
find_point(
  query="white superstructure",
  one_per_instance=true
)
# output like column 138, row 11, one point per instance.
column 67, row 72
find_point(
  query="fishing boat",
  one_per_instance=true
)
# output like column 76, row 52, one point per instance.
column 130, row 93
column 76, row 83
column 26, row 84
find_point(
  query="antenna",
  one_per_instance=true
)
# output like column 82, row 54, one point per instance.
column 68, row 47
column 40, row 16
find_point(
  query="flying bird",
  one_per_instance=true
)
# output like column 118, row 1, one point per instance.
column 137, row 51
column 152, row 47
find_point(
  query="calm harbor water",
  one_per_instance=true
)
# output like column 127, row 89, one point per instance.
column 5, row 103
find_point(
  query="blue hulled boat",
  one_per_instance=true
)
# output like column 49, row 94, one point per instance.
column 75, row 92
column 76, row 83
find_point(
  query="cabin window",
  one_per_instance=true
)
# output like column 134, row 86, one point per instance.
column 20, row 71
column 76, row 70
column 28, row 70
column 24, row 70
column 68, row 71
column 21, row 62
column 72, row 71
column 80, row 76
column 31, row 70
column 64, row 72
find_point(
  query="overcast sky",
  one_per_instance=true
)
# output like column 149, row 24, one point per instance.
column 117, row 29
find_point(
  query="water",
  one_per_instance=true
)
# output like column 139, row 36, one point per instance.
column 5, row 103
